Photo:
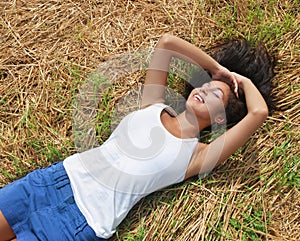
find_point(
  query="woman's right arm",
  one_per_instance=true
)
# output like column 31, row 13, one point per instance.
column 170, row 46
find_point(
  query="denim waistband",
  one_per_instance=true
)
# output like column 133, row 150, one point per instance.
column 62, row 181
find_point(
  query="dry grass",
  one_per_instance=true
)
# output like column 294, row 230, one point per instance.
column 49, row 47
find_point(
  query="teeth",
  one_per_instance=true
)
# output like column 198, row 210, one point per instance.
column 198, row 97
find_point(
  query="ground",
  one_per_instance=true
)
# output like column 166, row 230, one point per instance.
column 49, row 48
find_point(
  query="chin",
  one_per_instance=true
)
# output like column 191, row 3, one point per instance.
column 197, row 109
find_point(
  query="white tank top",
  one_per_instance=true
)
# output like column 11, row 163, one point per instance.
column 140, row 157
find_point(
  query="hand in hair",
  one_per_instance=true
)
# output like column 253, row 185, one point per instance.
column 240, row 78
column 251, row 61
column 225, row 75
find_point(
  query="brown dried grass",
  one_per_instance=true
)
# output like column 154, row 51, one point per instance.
column 49, row 47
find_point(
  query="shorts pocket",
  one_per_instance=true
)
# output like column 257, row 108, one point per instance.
column 45, row 224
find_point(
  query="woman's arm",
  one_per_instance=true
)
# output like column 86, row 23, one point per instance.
column 225, row 145
column 157, row 73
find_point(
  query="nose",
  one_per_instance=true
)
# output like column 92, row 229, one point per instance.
column 204, row 89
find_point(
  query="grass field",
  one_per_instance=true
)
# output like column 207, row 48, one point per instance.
column 49, row 48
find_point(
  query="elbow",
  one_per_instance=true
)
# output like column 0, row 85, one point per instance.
column 261, row 113
column 165, row 41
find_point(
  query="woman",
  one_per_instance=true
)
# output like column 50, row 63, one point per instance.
column 86, row 196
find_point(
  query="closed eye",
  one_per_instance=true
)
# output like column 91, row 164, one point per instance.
column 218, row 93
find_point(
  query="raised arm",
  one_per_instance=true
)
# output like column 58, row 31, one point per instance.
column 211, row 155
column 157, row 73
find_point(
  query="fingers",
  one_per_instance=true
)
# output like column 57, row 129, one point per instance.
column 240, row 79
column 235, row 87
column 231, row 77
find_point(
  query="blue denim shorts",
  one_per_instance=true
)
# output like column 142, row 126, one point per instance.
column 41, row 206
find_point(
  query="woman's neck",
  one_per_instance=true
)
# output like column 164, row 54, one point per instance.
column 189, row 124
column 183, row 125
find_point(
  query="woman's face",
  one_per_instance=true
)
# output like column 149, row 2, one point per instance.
column 209, row 101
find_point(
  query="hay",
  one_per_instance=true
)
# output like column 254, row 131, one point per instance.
column 47, row 50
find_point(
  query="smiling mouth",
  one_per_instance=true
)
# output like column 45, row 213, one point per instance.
column 197, row 97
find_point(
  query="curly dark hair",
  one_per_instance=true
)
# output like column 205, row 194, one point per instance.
column 253, row 62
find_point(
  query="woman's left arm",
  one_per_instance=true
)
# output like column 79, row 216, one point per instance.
column 225, row 145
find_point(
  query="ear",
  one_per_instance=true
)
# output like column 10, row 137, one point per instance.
column 220, row 119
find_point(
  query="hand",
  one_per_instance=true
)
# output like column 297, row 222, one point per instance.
column 240, row 79
column 225, row 75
